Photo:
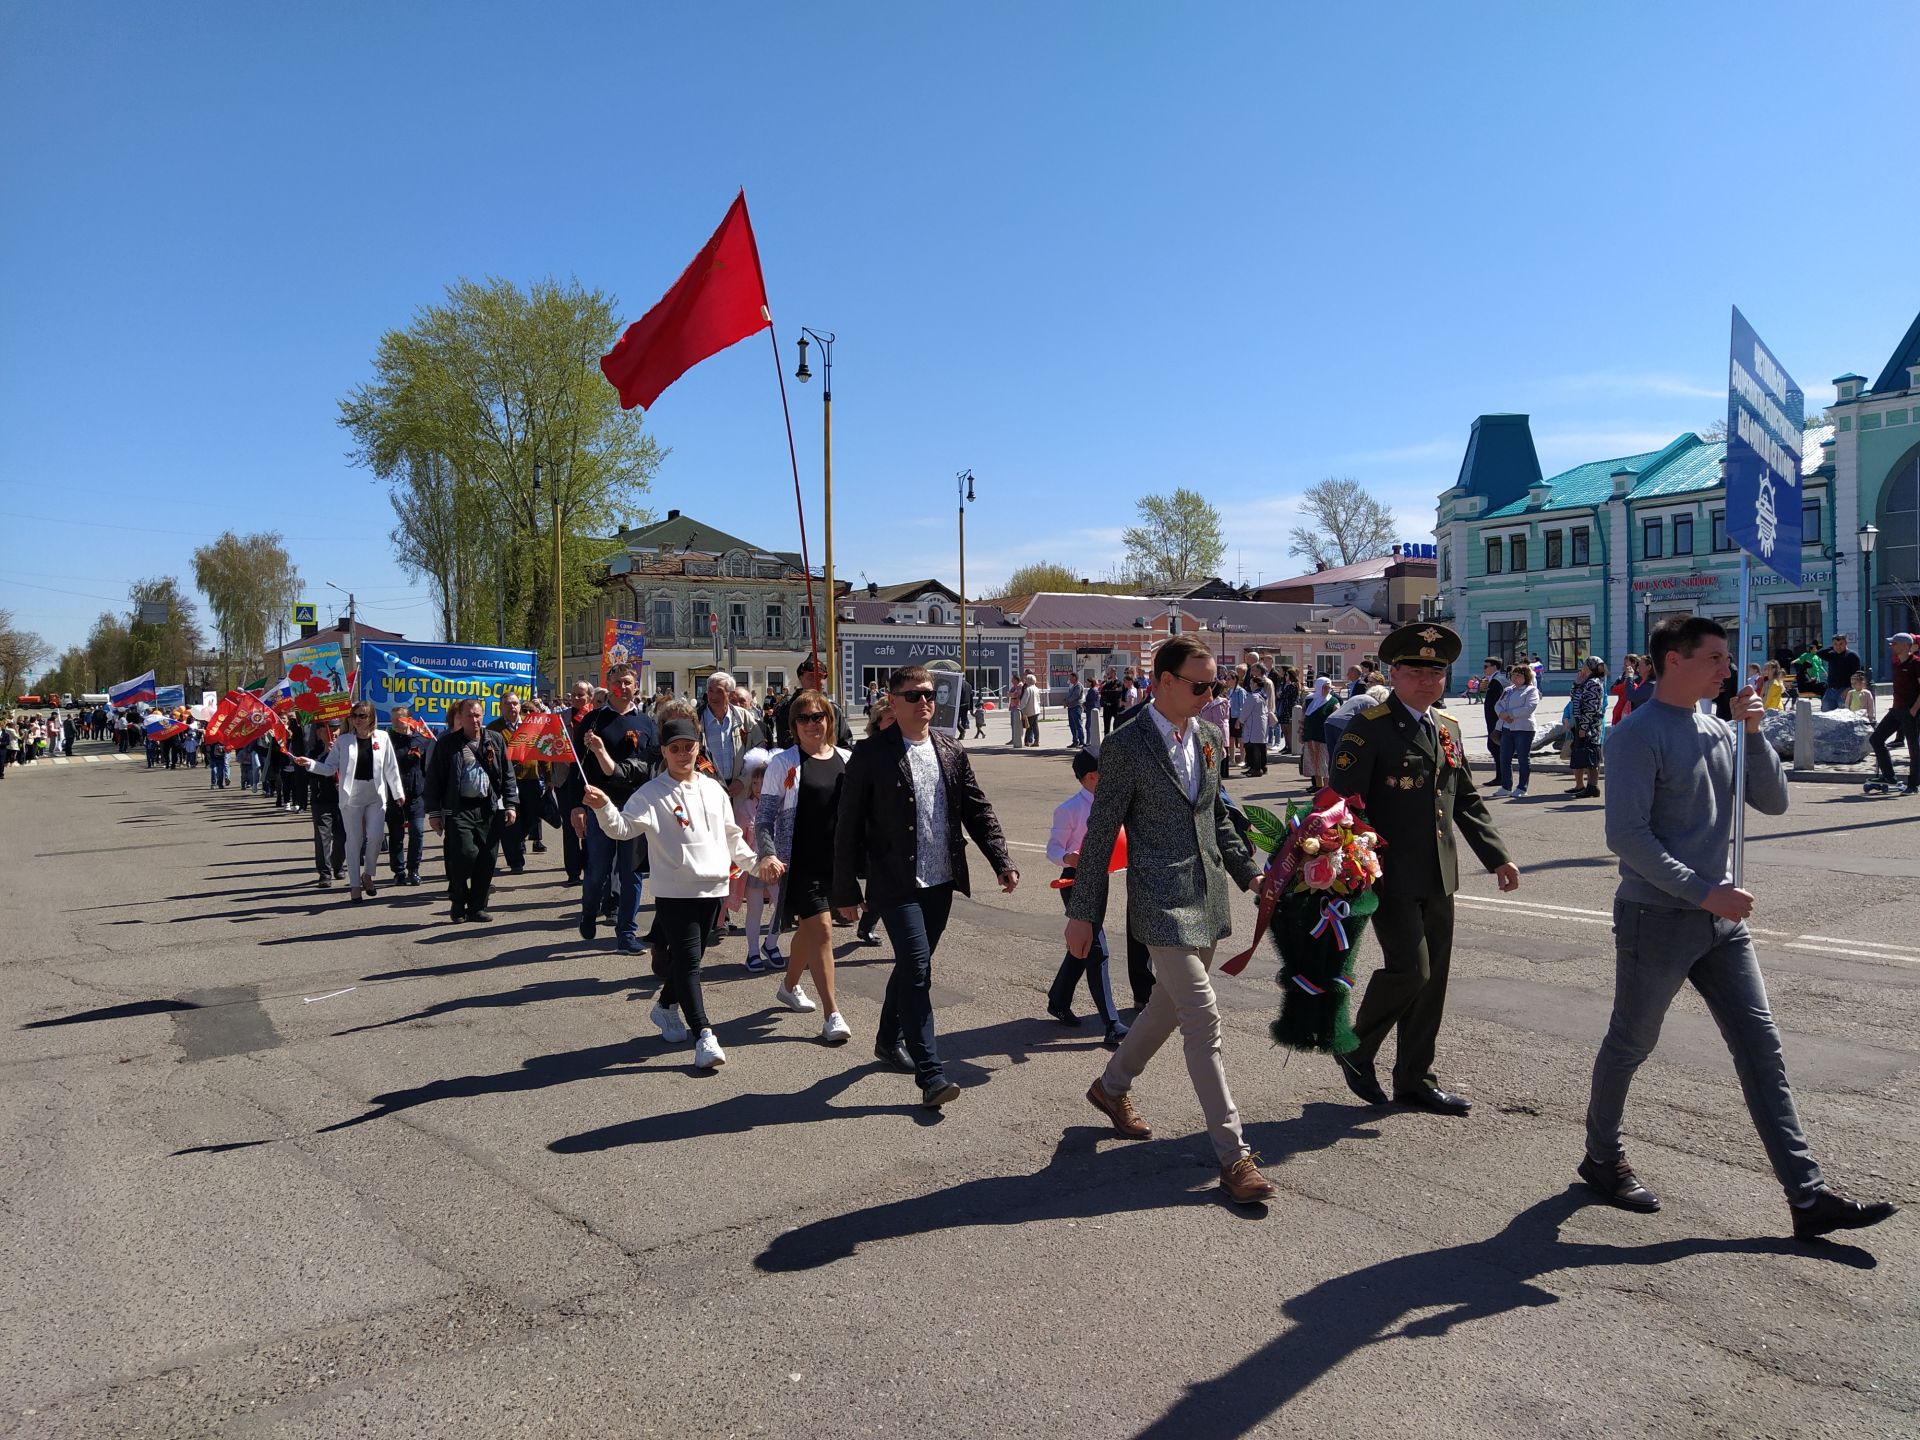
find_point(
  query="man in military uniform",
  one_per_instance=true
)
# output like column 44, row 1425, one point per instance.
column 1405, row 761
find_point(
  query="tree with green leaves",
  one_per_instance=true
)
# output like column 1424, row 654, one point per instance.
column 20, row 651
column 166, row 647
column 1178, row 538
column 491, row 421
column 1349, row 525
column 108, row 645
column 249, row 582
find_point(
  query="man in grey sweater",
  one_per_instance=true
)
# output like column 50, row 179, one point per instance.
column 1679, row 919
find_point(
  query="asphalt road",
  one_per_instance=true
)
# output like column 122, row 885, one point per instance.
column 276, row 1165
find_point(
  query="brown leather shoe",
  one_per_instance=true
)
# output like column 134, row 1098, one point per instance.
column 1244, row 1183
column 1127, row 1123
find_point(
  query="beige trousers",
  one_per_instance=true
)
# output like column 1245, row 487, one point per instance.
column 1183, row 997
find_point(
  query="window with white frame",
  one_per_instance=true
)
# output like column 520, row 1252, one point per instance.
column 1569, row 640
column 776, row 618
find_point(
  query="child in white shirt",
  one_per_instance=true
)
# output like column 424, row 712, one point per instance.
column 1063, row 848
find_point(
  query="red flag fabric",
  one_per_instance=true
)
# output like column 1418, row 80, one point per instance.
column 242, row 718
column 414, row 725
column 720, row 300
column 540, row 738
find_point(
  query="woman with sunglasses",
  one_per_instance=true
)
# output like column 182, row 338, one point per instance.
column 793, row 831
column 367, row 772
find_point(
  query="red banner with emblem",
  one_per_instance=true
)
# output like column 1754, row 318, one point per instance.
column 540, row 738
column 241, row 718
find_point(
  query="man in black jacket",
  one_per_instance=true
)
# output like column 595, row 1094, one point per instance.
column 1492, row 682
column 907, row 803
column 469, row 779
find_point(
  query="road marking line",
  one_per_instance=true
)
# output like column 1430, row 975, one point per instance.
column 1857, row 954
column 1786, row 939
column 309, row 999
column 91, row 759
column 1535, row 905
column 1520, row 914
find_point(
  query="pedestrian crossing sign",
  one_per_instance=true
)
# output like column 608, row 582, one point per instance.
column 305, row 613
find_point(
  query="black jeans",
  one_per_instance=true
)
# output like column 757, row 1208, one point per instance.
column 329, row 839
column 906, row 1018
column 514, row 837
column 1139, row 971
column 573, row 858
column 680, row 927
column 406, row 835
column 1898, row 718
column 469, row 852
column 1410, row 991
column 1094, row 967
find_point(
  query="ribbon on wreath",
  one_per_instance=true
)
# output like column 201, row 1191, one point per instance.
column 1333, row 916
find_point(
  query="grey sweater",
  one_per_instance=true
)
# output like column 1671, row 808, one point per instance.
column 1670, row 801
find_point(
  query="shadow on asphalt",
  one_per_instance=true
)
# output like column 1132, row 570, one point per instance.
column 532, row 993
column 113, row 1012
column 1475, row 1281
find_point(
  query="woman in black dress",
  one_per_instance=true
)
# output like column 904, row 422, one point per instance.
column 799, row 800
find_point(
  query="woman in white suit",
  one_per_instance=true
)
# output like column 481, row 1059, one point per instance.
column 363, row 765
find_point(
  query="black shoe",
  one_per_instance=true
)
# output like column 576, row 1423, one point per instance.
column 1830, row 1210
column 1434, row 1100
column 589, row 927
column 413, row 877
column 932, row 1097
column 326, row 882
column 632, row 945
column 456, row 916
column 479, row 917
column 573, row 877
column 1361, row 1080
column 370, row 888
column 1618, row 1185
column 894, row 1057
column 515, row 869
column 1116, row 1032
column 340, row 874
column 1064, row 1015
column 539, row 849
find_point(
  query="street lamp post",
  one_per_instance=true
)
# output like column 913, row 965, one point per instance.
column 1869, row 537
column 964, row 482
column 803, row 374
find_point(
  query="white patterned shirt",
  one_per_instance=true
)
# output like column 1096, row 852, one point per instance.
column 933, row 865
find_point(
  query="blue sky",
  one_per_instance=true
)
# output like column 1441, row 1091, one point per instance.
column 1090, row 251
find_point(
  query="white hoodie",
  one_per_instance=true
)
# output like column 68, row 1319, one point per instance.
column 693, row 841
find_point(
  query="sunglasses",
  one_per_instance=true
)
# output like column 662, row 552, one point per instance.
column 810, row 717
column 915, row 697
column 1199, row 687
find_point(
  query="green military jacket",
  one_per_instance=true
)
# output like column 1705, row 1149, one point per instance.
column 1415, row 796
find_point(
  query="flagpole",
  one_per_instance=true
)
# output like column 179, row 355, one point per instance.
column 1740, row 741
column 793, row 458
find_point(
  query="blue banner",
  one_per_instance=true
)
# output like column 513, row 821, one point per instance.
column 170, row 697
column 1764, row 410
column 429, row 677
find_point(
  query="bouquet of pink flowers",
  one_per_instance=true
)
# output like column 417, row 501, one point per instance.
column 1316, row 895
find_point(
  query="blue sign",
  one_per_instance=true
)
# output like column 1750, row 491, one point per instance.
column 1414, row 550
column 431, row 677
column 170, row 697
column 1764, row 407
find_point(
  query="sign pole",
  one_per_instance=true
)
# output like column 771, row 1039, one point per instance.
column 1740, row 743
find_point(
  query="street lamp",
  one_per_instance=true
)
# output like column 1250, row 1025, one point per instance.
column 964, row 481
column 803, row 374
column 1869, row 536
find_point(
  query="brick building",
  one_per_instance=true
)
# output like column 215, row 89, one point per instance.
column 1389, row 587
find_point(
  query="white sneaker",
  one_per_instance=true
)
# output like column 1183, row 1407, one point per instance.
column 707, row 1053
column 834, row 1030
column 1502, row 793
column 673, row 1029
column 1521, row 793
column 796, row 998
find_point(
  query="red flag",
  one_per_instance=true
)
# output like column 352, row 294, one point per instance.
column 720, row 300
column 242, row 718
column 540, row 738
column 414, row 725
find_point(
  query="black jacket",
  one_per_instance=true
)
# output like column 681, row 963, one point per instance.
column 876, row 834
column 411, row 751
column 440, row 786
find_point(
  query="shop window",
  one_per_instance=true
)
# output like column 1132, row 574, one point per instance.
column 1577, row 543
column 1555, row 547
column 1653, row 536
column 1683, row 534
column 776, row 680
column 663, row 682
column 1569, row 640
column 1507, row 640
column 1793, row 629
column 1496, row 556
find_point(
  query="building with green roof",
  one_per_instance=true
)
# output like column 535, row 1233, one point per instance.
column 1590, row 560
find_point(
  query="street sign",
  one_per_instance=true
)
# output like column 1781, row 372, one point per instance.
column 155, row 612
column 305, row 612
column 1763, row 454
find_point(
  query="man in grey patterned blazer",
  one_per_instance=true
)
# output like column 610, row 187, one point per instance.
column 1159, row 777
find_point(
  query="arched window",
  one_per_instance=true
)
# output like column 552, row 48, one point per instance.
column 1897, row 556
column 935, row 615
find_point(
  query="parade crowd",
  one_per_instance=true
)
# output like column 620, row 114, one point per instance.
column 773, row 820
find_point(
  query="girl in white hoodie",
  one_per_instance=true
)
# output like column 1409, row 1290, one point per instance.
column 693, row 846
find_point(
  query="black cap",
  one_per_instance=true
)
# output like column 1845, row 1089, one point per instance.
column 679, row 727
column 1085, row 763
column 1425, row 644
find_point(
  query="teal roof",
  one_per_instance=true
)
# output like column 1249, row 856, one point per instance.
column 1695, row 467
column 1584, row 485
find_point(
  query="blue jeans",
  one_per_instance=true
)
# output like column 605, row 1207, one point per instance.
column 906, row 1017
column 1656, row 951
column 611, row 861
column 1076, row 726
column 406, row 827
column 1514, row 743
column 1833, row 698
